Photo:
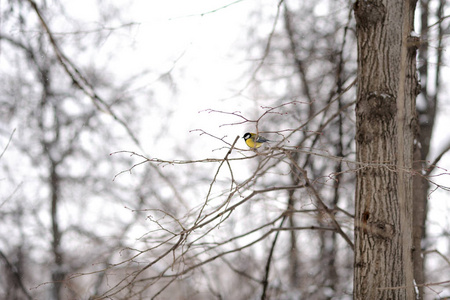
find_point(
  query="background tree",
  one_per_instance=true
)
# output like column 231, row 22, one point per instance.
column 62, row 141
column 430, row 49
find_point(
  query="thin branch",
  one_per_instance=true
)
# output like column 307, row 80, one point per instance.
column 423, row 284
column 109, row 293
column 436, row 160
column 321, row 204
column 208, row 12
column 7, row 144
column 78, row 79
column 267, row 48
column 441, row 19
column 15, row 275
column 447, row 260
column 100, row 29
column 214, row 180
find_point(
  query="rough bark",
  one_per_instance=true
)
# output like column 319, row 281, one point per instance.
column 385, row 133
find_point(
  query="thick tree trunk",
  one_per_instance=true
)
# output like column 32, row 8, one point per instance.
column 385, row 133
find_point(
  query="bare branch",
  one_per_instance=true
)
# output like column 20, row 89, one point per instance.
column 78, row 79
column 433, row 165
column 7, row 144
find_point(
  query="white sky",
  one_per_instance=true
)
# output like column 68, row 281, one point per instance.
column 207, row 62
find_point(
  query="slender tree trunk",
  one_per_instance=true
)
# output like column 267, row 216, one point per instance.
column 58, row 273
column 427, row 113
column 49, row 145
column 420, row 214
column 385, row 133
column 294, row 263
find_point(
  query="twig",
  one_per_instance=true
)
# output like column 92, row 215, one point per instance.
column 267, row 48
column 437, row 159
column 214, row 180
column 78, row 79
column 7, row 144
column 107, row 294
column 321, row 204
column 208, row 12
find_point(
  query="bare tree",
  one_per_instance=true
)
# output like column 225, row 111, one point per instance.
column 430, row 92
column 61, row 142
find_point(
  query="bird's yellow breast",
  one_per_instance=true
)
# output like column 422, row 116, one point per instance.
column 251, row 143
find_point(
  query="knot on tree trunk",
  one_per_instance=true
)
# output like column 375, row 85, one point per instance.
column 369, row 13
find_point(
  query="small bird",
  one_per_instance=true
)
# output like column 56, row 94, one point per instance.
column 254, row 141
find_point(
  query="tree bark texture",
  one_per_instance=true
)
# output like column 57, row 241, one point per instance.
column 385, row 134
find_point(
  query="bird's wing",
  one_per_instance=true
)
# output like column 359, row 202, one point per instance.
column 261, row 139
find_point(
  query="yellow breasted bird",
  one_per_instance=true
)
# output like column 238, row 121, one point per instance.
column 254, row 141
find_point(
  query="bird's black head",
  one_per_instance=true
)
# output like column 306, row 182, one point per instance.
column 247, row 136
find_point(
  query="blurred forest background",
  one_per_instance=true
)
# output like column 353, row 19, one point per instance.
column 117, row 180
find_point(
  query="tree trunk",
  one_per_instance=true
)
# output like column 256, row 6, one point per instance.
column 430, row 91
column 385, row 133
